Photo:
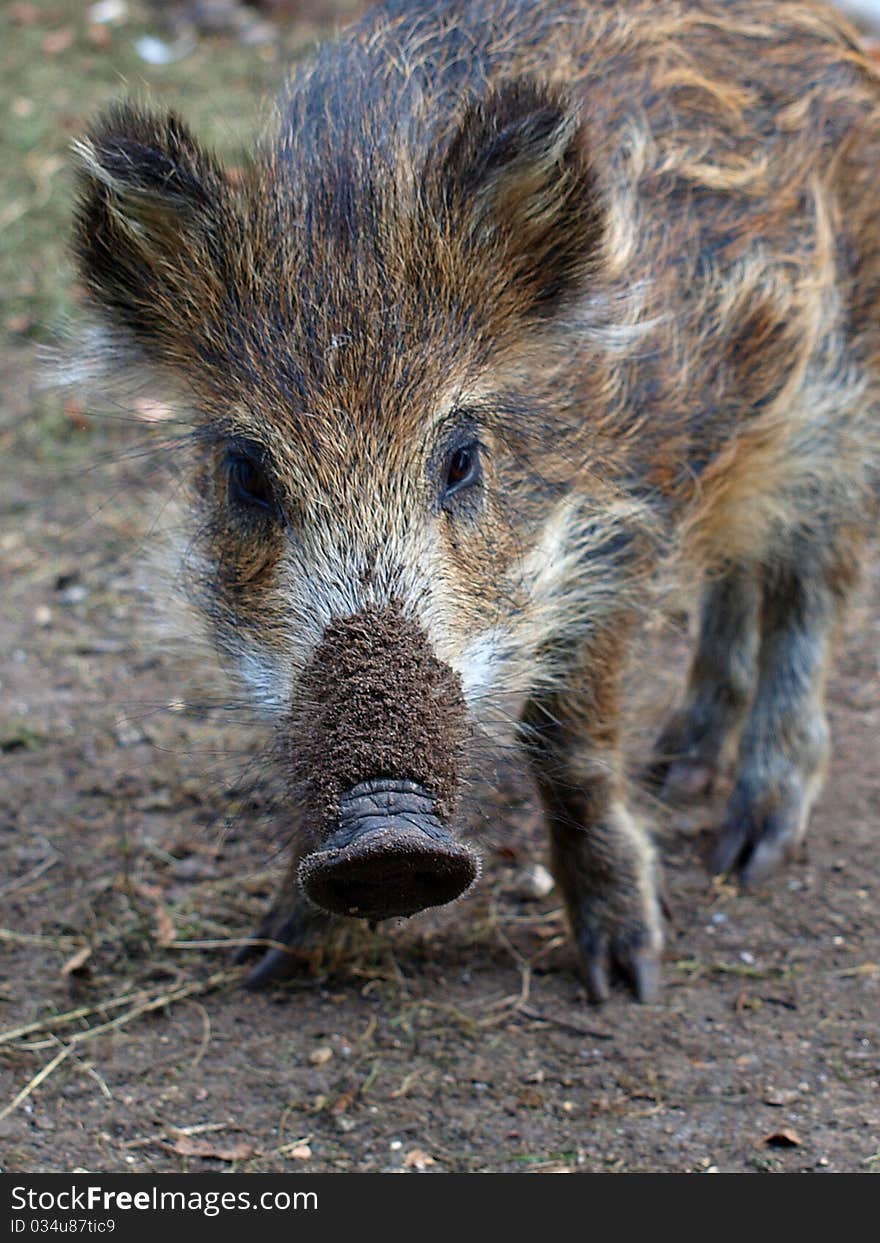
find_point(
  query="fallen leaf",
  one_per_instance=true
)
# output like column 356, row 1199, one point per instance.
column 166, row 933
column 23, row 14
column 99, row 37
column 779, row 1096
column 784, row 1138
column 57, row 41
column 342, row 1102
column 76, row 961
column 195, row 1146
column 19, row 323
column 74, row 411
column 418, row 1160
column 745, row 1001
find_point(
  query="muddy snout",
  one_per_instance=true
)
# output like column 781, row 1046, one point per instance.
column 390, row 855
column 378, row 757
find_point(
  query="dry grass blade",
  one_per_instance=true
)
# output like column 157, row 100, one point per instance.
column 69, row 1016
column 33, row 938
column 156, row 1002
column 161, row 1137
column 34, row 1083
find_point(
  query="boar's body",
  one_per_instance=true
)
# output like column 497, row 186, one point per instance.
column 519, row 305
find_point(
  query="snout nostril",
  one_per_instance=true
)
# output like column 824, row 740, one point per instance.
column 382, row 888
column 386, row 858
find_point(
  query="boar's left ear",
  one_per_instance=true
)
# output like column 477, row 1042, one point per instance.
column 517, row 179
column 149, row 215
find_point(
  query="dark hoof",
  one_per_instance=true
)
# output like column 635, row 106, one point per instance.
column 687, row 780
column 278, row 963
column 288, row 939
column 680, row 780
column 758, row 842
column 628, row 959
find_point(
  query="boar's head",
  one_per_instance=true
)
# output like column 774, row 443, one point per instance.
column 374, row 324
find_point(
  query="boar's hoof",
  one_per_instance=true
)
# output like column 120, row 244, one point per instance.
column 388, row 855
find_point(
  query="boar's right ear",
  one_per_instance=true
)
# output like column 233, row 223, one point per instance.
column 147, row 218
column 517, row 180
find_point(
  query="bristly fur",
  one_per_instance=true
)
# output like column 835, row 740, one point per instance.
column 628, row 253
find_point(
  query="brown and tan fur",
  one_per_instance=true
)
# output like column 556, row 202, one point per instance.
column 630, row 250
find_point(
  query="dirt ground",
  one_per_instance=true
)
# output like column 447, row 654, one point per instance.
column 142, row 836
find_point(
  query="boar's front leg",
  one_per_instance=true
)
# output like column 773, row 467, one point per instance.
column 296, row 930
column 603, row 861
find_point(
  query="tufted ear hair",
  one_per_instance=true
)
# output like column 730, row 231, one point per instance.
column 517, row 179
column 150, row 216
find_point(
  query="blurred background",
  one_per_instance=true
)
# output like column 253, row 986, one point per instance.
column 215, row 61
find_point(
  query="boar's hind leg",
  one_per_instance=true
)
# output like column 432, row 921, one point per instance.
column 603, row 861
column 691, row 746
column 784, row 743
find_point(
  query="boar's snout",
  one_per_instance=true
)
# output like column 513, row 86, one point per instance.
column 378, row 737
column 390, row 855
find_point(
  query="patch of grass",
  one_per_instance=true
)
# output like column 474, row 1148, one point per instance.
column 544, row 1158
column 55, row 74
column 49, row 435
column 694, row 968
column 20, row 738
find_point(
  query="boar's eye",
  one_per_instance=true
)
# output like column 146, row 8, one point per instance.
column 462, row 469
column 249, row 485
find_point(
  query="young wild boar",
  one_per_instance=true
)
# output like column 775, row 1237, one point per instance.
column 520, row 307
